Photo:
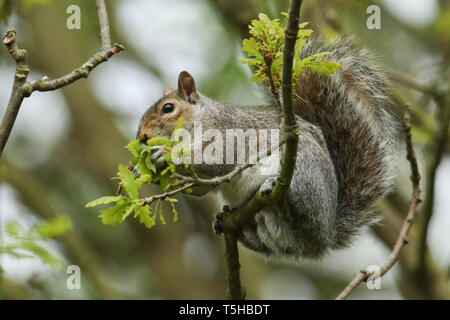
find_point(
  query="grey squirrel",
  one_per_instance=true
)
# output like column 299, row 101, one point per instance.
column 346, row 155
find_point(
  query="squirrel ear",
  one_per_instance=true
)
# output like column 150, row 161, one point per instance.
column 186, row 87
column 168, row 90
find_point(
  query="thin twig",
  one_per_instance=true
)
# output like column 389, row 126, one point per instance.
column 166, row 194
column 104, row 25
column 22, row 89
column 81, row 72
column 227, row 177
column 273, row 88
column 402, row 237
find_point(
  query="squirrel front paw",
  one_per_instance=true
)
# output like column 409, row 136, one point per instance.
column 268, row 185
column 157, row 156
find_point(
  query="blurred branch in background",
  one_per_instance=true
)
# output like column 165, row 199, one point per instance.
column 237, row 12
column 424, row 268
column 438, row 143
column 32, row 193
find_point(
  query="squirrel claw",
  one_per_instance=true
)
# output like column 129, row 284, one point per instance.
column 218, row 223
column 268, row 185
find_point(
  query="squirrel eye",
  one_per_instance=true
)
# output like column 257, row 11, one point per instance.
column 168, row 107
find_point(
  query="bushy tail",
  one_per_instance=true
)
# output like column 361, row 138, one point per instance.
column 351, row 106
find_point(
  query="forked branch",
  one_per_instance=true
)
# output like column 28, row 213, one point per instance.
column 22, row 88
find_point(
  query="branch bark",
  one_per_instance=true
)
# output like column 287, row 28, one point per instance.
column 22, row 88
column 104, row 25
column 406, row 227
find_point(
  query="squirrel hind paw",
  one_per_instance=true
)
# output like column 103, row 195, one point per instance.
column 218, row 223
column 268, row 185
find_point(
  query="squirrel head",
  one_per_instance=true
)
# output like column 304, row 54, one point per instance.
column 161, row 118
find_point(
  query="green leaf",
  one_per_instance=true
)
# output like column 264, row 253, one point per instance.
column 251, row 47
column 149, row 163
column 143, row 169
column 103, row 200
column 144, row 178
column 128, row 181
column 324, row 67
column 129, row 210
column 42, row 253
column 168, row 157
column 145, row 216
column 159, row 141
column 265, row 49
column 174, row 210
column 12, row 228
column 302, row 25
column 53, row 228
column 114, row 214
column 179, row 124
column 158, row 206
column 135, row 147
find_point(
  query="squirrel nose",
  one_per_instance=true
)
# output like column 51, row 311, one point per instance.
column 143, row 137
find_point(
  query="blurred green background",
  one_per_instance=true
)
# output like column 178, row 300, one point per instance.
column 66, row 145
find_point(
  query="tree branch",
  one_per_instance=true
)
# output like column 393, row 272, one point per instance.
column 235, row 290
column 22, row 88
column 233, row 221
column 404, row 231
column 19, row 90
column 408, row 81
column 81, row 72
column 273, row 88
column 104, row 25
